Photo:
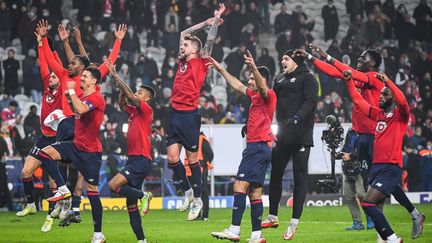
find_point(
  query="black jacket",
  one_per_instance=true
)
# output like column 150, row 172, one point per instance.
column 297, row 94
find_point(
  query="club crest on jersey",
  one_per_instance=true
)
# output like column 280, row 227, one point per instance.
column 381, row 126
column 183, row 67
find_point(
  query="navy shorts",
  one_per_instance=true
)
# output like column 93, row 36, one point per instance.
column 66, row 129
column 41, row 142
column 385, row 177
column 254, row 164
column 184, row 128
column 137, row 168
column 88, row 163
column 364, row 144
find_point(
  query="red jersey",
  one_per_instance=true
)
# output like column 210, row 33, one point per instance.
column 87, row 125
column 138, row 135
column 51, row 99
column 260, row 116
column 187, row 83
column 389, row 133
column 63, row 74
column 370, row 91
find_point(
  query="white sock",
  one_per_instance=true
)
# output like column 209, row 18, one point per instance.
column 48, row 216
column 97, row 235
column 294, row 221
column 33, row 205
column 415, row 213
column 392, row 237
column 63, row 189
column 75, row 209
column 273, row 217
column 235, row 229
column 189, row 193
column 256, row 234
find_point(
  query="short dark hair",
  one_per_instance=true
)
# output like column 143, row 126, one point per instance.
column 265, row 73
column 195, row 40
column 376, row 57
column 13, row 103
column 95, row 73
column 84, row 60
column 150, row 89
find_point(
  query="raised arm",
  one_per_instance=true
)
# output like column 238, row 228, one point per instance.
column 78, row 39
column 232, row 81
column 130, row 96
column 322, row 66
column 56, row 67
column 64, row 37
column 122, row 102
column 398, row 95
column 357, row 99
column 196, row 28
column 119, row 34
column 259, row 80
column 75, row 103
column 43, row 66
column 211, row 36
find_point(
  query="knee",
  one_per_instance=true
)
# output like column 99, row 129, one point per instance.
column 90, row 187
column 26, row 173
column 173, row 158
column 112, row 186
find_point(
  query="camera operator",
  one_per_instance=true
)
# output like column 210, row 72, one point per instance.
column 297, row 93
column 352, row 181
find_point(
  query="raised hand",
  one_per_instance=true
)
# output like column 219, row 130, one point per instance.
column 110, row 66
column 38, row 37
column 63, row 33
column 214, row 64
column 121, row 31
column 347, row 74
column 249, row 59
column 299, row 53
column 210, row 21
column 318, row 50
column 382, row 77
column 42, row 28
column 219, row 12
column 70, row 85
column 77, row 33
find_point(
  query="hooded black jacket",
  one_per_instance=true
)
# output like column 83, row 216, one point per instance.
column 297, row 94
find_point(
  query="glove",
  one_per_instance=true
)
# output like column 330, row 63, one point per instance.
column 244, row 131
column 294, row 120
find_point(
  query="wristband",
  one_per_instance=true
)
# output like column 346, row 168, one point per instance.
column 309, row 56
column 71, row 91
column 329, row 58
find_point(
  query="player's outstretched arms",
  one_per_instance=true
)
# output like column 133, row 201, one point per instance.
column 321, row 65
column 211, row 36
column 357, row 99
column 232, row 81
column 64, row 37
column 42, row 29
column 119, row 34
column 78, row 39
column 130, row 96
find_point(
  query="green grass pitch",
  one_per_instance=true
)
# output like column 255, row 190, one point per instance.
column 318, row 224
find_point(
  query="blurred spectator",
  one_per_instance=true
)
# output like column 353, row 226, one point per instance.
column 171, row 18
column 5, row 196
column 369, row 5
column 170, row 39
column 11, row 67
column 234, row 23
column 301, row 20
column 249, row 38
column 235, row 61
column 283, row 20
column 421, row 20
column 354, row 8
column 413, row 167
column 417, row 141
column 131, row 45
column 389, row 9
column 26, row 27
column 32, row 81
column 32, row 124
column 403, row 28
column 252, row 16
column 6, row 25
column 153, row 19
column 266, row 60
column 331, row 20
column 426, row 162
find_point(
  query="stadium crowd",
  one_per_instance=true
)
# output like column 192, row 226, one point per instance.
column 149, row 53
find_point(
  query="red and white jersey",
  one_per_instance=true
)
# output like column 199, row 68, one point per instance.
column 138, row 135
column 260, row 116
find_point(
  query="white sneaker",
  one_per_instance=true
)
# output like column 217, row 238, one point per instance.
column 195, row 210
column 257, row 240
column 380, row 240
column 226, row 234
column 188, row 198
column 66, row 206
column 398, row 240
column 142, row 241
column 57, row 208
column 100, row 239
column 46, row 227
column 289, row 234
column 60, row 195
column 26, row 211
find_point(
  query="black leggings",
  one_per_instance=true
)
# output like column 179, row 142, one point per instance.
column 281, row 154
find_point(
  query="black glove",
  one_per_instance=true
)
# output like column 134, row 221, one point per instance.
column 244, row 131
column 293, row 120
